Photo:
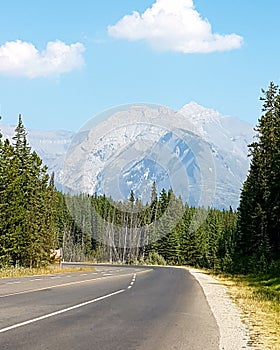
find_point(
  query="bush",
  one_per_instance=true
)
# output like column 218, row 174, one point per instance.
column 155, row 258
column 274, row 268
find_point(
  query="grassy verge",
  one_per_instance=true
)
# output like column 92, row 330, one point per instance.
column 21, row 271
column 258, row 298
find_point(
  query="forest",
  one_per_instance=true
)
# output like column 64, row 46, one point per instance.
column 36, row 218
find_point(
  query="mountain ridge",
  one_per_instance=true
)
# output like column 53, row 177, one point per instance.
column 129, row 140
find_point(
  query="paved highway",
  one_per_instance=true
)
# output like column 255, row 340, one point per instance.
column 111, row 308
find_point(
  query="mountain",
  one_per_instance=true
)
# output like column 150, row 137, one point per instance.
column 197, row 151
column 228, row 139
column 51, row 146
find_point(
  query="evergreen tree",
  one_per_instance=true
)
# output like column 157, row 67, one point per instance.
column 258, row 230
column 28, row 232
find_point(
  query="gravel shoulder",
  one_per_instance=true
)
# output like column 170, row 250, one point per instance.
column 233, row 333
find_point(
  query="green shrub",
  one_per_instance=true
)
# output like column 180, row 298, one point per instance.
column 155, row 258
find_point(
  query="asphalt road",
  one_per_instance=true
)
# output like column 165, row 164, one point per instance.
column 111, row 308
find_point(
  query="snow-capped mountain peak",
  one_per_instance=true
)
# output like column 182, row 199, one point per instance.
column 197, row 113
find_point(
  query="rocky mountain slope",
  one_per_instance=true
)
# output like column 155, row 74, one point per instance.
column 197, row 151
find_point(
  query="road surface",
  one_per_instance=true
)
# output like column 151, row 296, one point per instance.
column 111, row 308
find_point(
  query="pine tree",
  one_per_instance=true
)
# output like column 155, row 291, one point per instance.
column 6, row 154
column 13, row 215
column 28, row 231
column 258, row 237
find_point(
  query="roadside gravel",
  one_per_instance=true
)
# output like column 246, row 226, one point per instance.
column 233, row 333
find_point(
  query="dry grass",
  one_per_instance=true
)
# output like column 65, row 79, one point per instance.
column 21, row 271
column 258, row 298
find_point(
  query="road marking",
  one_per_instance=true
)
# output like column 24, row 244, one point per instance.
column 107, row 274
column 55, row 277
column 35, row 279
column 59, row 311
column 63, row 285
column 134, row 277
column 83, row 274
column 132, row 281
column 13, row 282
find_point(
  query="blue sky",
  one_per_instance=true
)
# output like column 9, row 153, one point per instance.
column 62, row 62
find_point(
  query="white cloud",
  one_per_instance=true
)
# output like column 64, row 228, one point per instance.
column 174, row 25
column 19, row 58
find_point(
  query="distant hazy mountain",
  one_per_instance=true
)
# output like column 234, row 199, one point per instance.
column 51, row 146
column 198, row 152
column 228, row 138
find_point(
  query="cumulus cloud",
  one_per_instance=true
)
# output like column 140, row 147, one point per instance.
column 19, row 58
column 176, row 26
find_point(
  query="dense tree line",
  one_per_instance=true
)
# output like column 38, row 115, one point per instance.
column 258, row 227
column 35, row 218
column 165, row 231
column 27, row 199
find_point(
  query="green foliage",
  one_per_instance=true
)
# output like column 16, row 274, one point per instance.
column 258, row 229
column 265, row 286
column 166, row 231
column 27, row 230
column 154, row 258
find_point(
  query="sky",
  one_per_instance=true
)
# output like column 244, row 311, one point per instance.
column 63, row 62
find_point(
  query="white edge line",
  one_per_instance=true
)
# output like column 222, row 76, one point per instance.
column 59, row 312
column 62, row 285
